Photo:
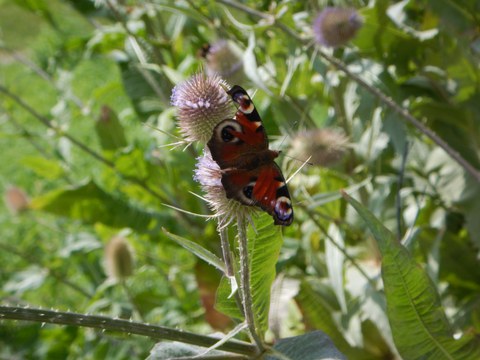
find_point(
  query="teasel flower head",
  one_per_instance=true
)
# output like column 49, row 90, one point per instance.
column 334, row 26
column 325, row 146
column 119, row 261
column 209, row 176
column 201, row 102
column 223, row 58
column 16, row 200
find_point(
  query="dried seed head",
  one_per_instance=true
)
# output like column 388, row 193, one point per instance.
column 118, row 258
column 325, row 146
column 336, row 26
column 209, row 176
column 202, row 103
column 223, row 58
column 16, row 200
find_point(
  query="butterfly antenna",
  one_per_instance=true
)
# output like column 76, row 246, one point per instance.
column 298, row 170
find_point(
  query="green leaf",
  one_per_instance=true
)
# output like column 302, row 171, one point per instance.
column 226, row 303
column 198, row 250
column 40, row 7
column 419, row 326
column 264, row 246
column 48, row 169
column 131, row 163
column 315, row 345
column 91, row 204
column 263, row 250
column 317, row 314
column 334, row 261
column 109, row 130
column 29, row 279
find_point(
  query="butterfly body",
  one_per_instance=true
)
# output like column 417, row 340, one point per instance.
column 249, row 173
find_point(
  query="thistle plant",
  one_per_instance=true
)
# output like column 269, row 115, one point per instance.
column 118, row 259
column 202, row 102
column 325, row 147
column 224, row 58
column 335, row 26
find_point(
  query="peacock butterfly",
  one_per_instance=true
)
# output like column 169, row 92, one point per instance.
column 249, row 173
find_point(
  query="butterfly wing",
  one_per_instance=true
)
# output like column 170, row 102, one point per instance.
column 236, row 140
column 249, row 174
column 264, row 187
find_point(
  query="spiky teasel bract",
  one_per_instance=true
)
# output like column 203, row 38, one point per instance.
column 209, row 176
column 201, row 103
column 119, row 261
column 336, row 26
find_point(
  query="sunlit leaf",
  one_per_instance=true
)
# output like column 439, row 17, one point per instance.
column 419, row 325
column 264, row 245
column 197, row 250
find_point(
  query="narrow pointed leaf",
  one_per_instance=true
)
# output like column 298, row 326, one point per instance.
column 197, row 250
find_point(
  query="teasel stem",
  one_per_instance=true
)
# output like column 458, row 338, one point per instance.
column 123, row 326
column 227, row 254
column 245, row 281
column 229, row 261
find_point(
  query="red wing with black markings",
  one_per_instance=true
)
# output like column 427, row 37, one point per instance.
column 250, row 174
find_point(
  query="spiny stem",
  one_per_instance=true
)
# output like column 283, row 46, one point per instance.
column 123, row 326
column 245, row 282
column 227, row 258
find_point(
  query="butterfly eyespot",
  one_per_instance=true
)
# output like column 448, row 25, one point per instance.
column 248, row 191
column 225, row 131
column 226, row 134
column 283, row 208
